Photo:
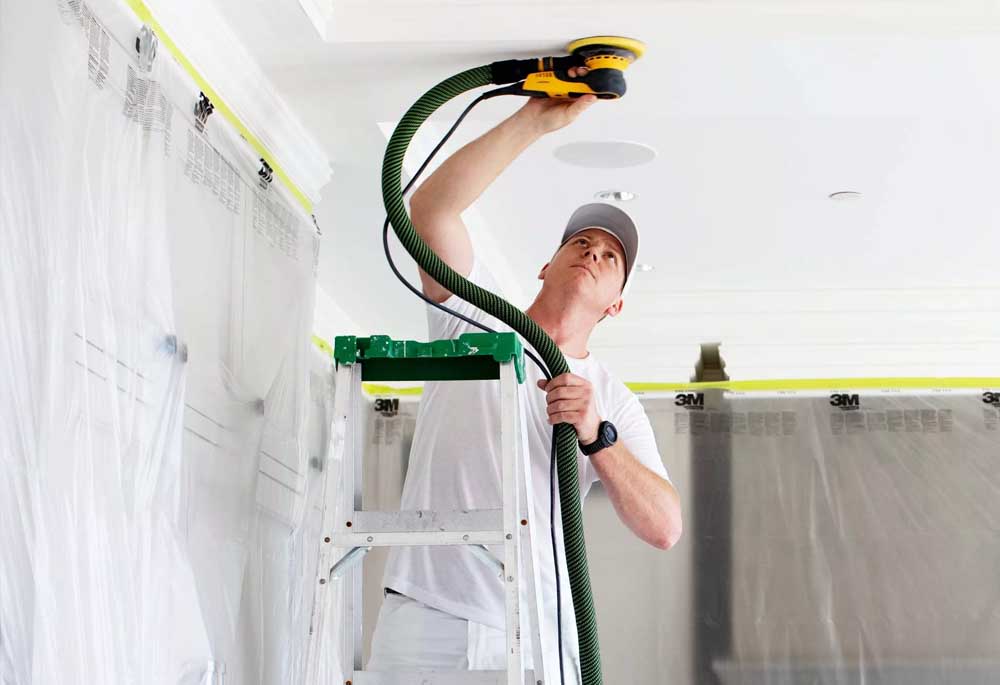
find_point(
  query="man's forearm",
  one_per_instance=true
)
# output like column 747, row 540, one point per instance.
column 463, row 177
column 436, row 208
column 645, row 502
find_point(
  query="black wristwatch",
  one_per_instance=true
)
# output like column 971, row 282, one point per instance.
column 607, row 435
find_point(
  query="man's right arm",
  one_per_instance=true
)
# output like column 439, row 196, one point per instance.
column 437, row 205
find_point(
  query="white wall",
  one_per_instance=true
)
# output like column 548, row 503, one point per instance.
column 330, row 320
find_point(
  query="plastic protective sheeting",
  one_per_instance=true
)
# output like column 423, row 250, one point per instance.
column 210, row 43
column 848, row 538
column 842, row 538
column 157, row 464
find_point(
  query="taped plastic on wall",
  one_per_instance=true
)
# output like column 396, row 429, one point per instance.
column 156, row 298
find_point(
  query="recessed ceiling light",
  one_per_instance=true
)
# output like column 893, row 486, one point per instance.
column 605, row 154
column 615, row 195
column 844, row 195
column 645, row 268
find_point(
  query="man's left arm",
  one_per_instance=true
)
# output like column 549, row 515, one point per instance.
column 647, row 503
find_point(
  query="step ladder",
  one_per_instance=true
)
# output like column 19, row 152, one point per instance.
column 348, row 526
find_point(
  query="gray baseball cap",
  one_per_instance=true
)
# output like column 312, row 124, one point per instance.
column 610, row 219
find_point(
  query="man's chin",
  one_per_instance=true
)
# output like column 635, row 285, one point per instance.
column 578, row 288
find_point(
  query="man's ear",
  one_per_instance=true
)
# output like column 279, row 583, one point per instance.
column 541, row 274
column 616, row 308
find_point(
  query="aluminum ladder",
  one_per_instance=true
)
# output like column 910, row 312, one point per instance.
column 348, row 526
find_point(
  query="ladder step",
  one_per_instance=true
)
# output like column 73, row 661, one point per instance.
column 400, row 528
column 437, row 678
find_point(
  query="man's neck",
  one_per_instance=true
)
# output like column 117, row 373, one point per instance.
column 568, row 327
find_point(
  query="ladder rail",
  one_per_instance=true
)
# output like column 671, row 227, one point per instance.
column 338, row 466
column 352, row 489
column 532, row 537
column 509, row 437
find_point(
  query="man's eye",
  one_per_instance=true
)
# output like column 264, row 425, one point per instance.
column 581, row 241
column 612, row 255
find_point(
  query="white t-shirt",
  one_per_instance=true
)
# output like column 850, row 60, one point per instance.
column 455, row 464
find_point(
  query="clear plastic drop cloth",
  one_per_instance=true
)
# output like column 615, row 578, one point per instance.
column 840, row 538
column 159, row 394
column 213, row 45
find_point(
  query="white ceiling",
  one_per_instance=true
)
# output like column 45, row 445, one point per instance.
column 758, row 110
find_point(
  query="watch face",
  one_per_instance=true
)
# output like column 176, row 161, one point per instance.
column 610, row 432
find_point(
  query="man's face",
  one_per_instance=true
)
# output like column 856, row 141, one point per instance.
column 591, row 266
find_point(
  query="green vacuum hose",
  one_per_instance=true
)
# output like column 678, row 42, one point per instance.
column 565, row 435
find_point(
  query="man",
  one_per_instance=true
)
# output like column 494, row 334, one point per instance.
column 444, row 608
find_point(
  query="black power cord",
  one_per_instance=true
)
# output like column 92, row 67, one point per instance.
column 541, row 366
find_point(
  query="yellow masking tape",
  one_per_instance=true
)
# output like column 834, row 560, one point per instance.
column 772, row 386
column 323, row 345
column 141, row 11
column 376, row 389
column 825, row 384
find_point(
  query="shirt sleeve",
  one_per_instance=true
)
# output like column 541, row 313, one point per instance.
column 442, row 325
column 636, row 433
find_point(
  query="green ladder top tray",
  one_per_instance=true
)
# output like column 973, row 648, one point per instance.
column 470, row 357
